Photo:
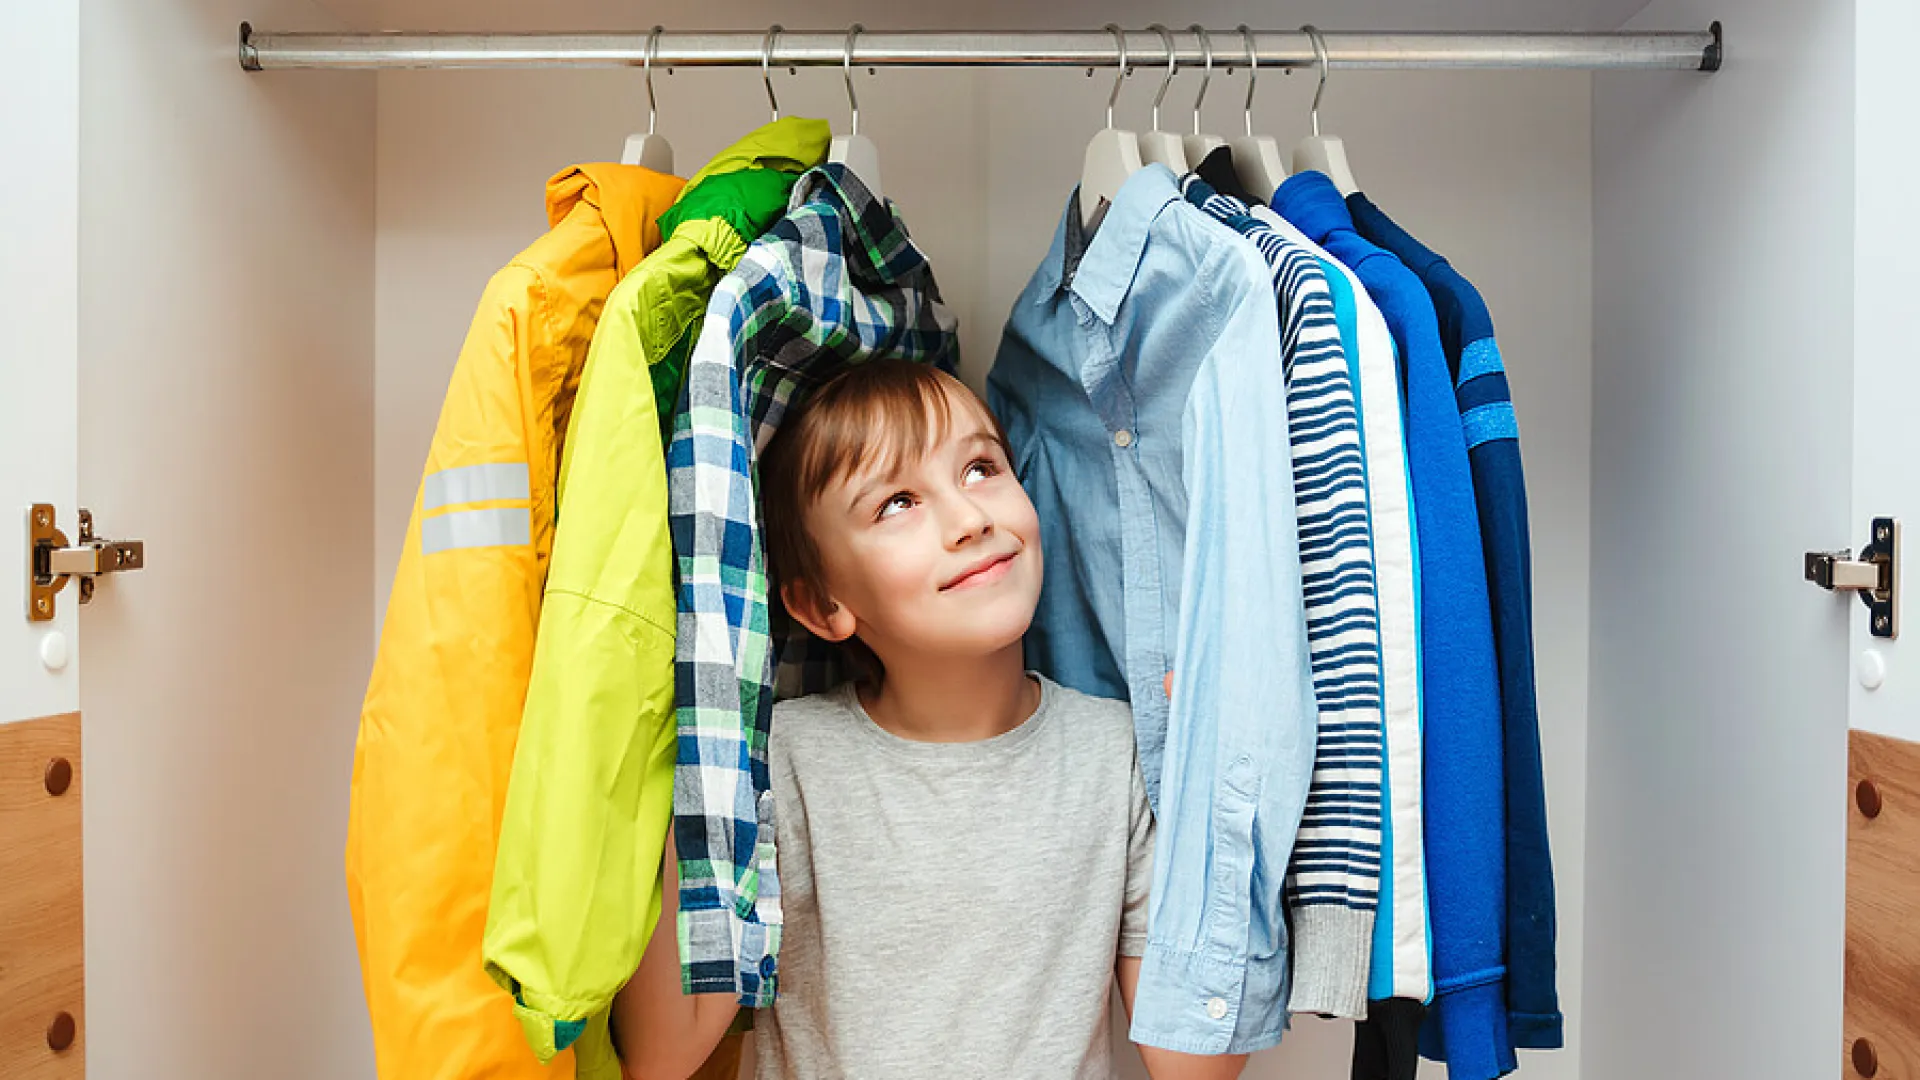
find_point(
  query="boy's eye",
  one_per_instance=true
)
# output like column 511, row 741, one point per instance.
column 895, row 503
column 980, row 470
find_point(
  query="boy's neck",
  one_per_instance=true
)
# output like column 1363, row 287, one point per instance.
column 944, row 700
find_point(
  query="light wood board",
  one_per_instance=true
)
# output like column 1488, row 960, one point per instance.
column 1883, row 909
column 42, row 963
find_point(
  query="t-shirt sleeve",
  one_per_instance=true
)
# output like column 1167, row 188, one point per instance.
column 1133, row 921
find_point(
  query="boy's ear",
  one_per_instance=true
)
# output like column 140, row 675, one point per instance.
column 827, row 620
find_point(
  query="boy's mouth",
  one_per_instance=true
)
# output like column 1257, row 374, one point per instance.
column 986, row 571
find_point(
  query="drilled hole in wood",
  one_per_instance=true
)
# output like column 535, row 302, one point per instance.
column 60, row 1033
column 1867, row 797
column 59, row 776
column 1865, row 1061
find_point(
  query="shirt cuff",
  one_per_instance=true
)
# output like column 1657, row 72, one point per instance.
column 721, row 953
column 1192, row 1004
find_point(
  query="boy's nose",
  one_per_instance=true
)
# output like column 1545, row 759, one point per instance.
column 970, row 522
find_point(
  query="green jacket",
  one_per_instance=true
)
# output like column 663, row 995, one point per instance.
column 576, row 881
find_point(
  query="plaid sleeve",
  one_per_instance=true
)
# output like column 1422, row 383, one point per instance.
column 723, row 670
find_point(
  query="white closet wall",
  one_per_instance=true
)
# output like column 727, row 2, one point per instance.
column 1724, row 236
column 226, row 376
column 1493, row 169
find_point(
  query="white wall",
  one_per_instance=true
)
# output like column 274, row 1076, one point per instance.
column 1492, row 168
column 227, row 385
column 1886, row 442
column 39, row 302
column 1723, row 399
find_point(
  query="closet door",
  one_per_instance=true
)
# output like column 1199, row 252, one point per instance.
column 41, row 950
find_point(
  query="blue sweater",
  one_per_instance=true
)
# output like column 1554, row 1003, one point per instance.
column 1462, row 800
column 1493, row 446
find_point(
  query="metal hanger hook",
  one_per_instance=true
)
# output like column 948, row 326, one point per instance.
column 653, row 47
column 846, row 70
column 1120, row 41
column 1320, row 57
column 766, row 66
column 1206, row 72
column 1166, row 39
column 1253, row 74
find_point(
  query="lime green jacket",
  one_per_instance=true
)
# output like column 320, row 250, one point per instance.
column 576, row 881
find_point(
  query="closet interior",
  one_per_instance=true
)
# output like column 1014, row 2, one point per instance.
column 279, row 259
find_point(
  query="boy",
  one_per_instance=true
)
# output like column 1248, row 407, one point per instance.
column 964, row 848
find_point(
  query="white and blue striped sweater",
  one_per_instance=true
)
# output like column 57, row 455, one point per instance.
column 1333, row 880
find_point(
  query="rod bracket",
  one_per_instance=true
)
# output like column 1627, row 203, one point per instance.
column 249, row 56
column 1710, row 59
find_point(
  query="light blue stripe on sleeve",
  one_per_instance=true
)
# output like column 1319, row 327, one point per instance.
column 1485, row 423
column 1479, row 358
column 475, row 483
column 476, row 528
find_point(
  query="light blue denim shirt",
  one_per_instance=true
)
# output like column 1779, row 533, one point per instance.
column 1139, row 381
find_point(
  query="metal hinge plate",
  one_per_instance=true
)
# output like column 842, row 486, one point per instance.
column 1875, row 575
column 51, row 562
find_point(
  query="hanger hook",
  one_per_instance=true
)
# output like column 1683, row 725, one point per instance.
column 1120, row 41
column 1206, row 72
column 766, row 66
column 653, row 46
column 1253, row 74
column 1320, row 58
column 846, row 67
column 1166, row 39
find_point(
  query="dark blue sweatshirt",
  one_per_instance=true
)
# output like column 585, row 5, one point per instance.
column 1493, row 446
column 1462, row 798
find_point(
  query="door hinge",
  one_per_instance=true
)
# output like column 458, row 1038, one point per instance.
column 1875, row 575
column 51, row 562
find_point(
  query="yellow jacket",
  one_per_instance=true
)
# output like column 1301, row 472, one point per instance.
column 442, row 711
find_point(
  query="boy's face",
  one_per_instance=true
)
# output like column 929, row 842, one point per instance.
column 941, row 557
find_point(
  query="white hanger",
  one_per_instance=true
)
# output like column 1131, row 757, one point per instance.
column 1324, row 153
column 855, row 150
column 1198, row 146
column 650, row 151
column 1256, row 158
column 1112, row 154
column 1164, row 147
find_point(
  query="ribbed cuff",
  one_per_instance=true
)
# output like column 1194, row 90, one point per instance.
column 1332, row 951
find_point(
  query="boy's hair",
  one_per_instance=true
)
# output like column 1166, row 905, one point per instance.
column 881, row 414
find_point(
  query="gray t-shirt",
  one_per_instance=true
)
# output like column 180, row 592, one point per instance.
column 953, row 910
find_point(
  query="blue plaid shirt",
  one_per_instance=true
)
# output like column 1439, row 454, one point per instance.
column 836, row 282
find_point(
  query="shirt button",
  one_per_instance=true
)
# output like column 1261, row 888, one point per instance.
column 1217, row 1008
column 1123, row 438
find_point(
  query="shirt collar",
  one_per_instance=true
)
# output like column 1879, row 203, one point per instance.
column 1313, row 204
column 877, row 241
column 1111, row 258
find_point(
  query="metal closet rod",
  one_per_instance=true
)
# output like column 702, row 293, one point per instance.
column 993, row 48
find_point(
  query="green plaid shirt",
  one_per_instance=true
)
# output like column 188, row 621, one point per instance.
column 836, row 282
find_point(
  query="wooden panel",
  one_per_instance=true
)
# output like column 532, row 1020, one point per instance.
column 42, row 963
column 1883, row 909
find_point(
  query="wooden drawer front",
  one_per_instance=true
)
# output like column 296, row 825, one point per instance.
column 1883, row 909
column 42, row 963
